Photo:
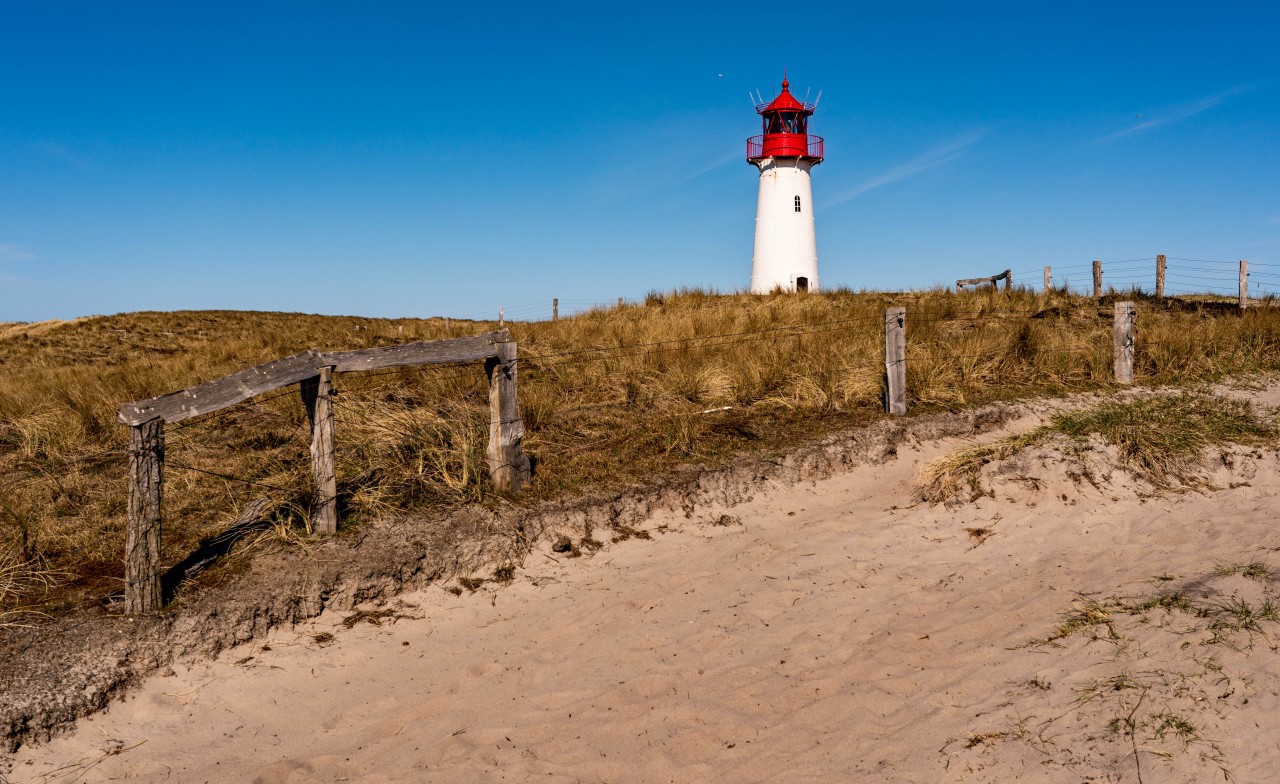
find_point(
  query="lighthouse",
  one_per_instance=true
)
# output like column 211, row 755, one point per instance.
column 786, row 250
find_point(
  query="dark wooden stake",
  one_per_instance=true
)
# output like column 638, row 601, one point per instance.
column 1122, row 341
column 1097, row 280
column 1160, row 264
column 1244, row 284
column 317, row 396
column 1008, row 281
column 508, row 464
column 142, row 537
column 895, row 360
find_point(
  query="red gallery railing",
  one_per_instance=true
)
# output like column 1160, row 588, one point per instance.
column 785, row 145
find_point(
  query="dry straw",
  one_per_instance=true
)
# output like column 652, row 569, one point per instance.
column 610, row 396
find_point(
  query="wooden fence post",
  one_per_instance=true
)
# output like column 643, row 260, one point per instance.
column 1097, row 280
column 142, row 537
column 555, row 309
column 1122, row 341
column 1160, row 276
column 1047, row 277
column 895, row 360
column 508, row 464
column 619, row 301
column 317, row 396
column 1244, row 284
column 1008, row 281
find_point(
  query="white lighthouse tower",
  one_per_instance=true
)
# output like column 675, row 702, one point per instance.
column 786, row 252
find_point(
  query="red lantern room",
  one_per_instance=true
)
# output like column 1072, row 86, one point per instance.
column 786, row 130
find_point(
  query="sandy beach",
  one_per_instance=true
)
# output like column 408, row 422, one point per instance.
column 831, row 631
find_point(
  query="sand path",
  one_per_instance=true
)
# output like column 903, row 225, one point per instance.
column 825, row 635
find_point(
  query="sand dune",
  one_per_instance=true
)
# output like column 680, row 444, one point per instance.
column 832, row 631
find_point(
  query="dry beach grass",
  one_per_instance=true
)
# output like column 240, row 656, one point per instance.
column 611, row 396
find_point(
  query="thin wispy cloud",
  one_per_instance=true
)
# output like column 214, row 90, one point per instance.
column 937, row 156
column 16, row 253
column 716, row 163
column 1179, row 114
column 626, row 177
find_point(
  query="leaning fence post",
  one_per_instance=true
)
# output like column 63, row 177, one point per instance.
column 1160, row 276
column 1244, row 284
column 508, row 464
column 1008, row 280
column 1097, row 280
column 142, row 536
column 895, row 360
column 1046, row 278
column 1122, row 341
column 317, row 395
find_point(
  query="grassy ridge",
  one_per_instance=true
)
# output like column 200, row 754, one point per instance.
column 1159, row 439
column 609, row 397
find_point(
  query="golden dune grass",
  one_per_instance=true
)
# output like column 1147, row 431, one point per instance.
column 610, row 397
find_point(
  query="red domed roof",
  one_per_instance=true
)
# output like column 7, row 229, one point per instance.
column 786, row 101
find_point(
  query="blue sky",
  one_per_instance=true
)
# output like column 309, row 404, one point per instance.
column 415, row 159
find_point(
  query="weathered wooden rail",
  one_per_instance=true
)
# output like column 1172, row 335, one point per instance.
column 313, row 372
column 994, row 280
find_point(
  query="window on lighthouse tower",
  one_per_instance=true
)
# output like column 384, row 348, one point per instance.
column 797, row 204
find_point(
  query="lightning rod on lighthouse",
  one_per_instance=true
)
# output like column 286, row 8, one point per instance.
column 786, row 248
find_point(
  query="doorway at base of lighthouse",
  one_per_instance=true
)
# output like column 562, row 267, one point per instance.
column 802, row 284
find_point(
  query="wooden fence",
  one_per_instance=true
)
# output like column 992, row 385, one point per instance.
column 895, row 352
column 509, row 467
column 313, row 372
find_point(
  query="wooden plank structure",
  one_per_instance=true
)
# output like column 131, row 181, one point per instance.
column 994, row 280
column 226, row 391
column 1122, row 341
column 895, row 360
column 509, row 467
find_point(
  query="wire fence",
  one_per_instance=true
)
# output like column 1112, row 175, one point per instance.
column 1183, row 277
